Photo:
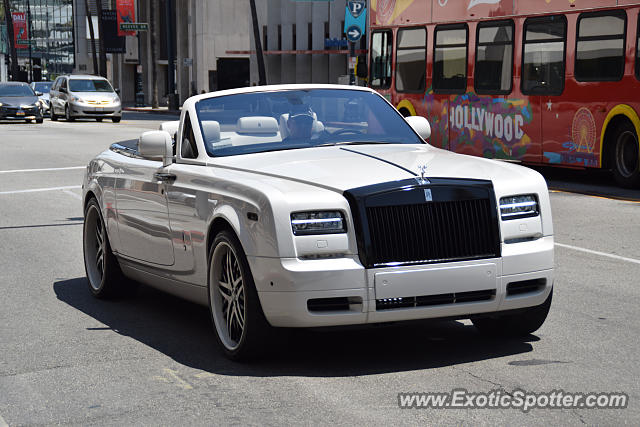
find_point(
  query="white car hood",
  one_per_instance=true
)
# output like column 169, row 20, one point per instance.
column 344, row 167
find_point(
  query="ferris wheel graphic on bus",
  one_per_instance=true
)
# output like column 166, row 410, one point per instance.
column 583, row 131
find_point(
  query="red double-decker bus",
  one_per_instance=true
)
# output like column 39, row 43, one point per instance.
column 554, row 82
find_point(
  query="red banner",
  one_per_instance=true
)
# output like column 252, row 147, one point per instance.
column 20, row 33
column 126, row 13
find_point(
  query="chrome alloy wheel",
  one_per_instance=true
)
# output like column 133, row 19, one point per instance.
column 227, row 293
column 95, row 247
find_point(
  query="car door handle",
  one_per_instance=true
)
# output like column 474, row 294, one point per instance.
column 164, row 177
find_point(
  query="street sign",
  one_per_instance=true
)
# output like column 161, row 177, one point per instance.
column 355, row 19
column 356, row 7
column 354, row 33
column 134, row 26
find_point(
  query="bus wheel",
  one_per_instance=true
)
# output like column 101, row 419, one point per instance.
column 626, row 156
column 405, row 112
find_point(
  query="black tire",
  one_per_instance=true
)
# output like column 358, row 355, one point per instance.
column 99, row 119
column 54, row 117
column 67, row 114
column 39, row 120
column 104, row 276
column 27, row 120
column 514, row 325
column 116, row 119
column 228, row 263
column 625, row 156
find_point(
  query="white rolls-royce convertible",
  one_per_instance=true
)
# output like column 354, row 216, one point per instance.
column 315, row 206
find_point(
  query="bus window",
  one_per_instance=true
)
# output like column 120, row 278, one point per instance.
column 450, row 63
column 494, row 58
column 543, row 55
column 600, row 46
column 381, row 59
column 411, row 60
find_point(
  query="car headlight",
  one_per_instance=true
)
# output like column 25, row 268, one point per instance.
column 76, row 99
column 1, row 104
column 516, row 207
column 323, row 222
column 27, row 106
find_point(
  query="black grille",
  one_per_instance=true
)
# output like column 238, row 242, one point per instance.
column 328, row 304
column 446, row 220
column 429, row 300
column 431, row 232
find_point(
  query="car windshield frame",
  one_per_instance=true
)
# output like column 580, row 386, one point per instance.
column 105, row 85
column 258, row 121
column 16, row 91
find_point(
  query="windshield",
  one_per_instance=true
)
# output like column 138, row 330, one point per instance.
column 16, row 90
column 289, row 119
column 43, row 87
column 76, row 85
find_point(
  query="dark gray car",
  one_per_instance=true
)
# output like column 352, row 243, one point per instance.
column 19, row 102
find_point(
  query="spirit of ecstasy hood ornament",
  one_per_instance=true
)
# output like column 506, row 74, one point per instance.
column 422, row 180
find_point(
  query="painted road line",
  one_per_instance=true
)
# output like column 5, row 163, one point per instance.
column 604, row 254
column 3, row 423
column 74, row 195
column 43, row 170
column 36, row 190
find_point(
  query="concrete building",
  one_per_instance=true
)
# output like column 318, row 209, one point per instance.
column 214, row 46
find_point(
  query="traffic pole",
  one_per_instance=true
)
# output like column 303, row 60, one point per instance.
column 352, row 55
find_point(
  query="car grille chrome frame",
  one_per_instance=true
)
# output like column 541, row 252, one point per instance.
column 396, row 224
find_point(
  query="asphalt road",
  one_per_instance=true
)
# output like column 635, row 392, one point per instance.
column 66, row 358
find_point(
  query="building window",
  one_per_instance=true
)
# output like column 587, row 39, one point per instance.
column 265, row 39
column 450, row 59
column 411, row 60
column 494, row 58
column 294, row 35
column 543, row 55
column 600, row 46
column 381, row 51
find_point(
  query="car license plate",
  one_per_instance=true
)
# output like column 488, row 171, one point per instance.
column 20, row 113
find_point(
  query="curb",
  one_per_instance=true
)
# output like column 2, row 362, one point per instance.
column 151, row 110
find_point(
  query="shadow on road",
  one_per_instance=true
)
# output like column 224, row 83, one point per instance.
column 183, row 331
column 590, row 182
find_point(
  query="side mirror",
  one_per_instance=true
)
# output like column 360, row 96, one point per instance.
column 38, row 93
column 117, row 91
column 420, row 125
column 63, row 90
column 156, row 144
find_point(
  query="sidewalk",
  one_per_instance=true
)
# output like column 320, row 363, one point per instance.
column 159, row 110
